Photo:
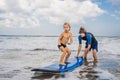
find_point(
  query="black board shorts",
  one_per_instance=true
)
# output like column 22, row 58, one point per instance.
column 94, row 46
column 64, row 45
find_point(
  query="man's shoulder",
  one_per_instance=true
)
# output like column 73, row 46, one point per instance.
column 88, row 34
column 79, row 37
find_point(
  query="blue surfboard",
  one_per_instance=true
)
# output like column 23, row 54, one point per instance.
column 54, row 68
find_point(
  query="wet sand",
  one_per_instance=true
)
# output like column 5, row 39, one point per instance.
column 17, row 65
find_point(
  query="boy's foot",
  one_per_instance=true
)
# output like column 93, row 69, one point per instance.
column 66, row 65
column 61, row 69
column 67, row 62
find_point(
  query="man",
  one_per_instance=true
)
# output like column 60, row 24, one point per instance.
column 91, row 43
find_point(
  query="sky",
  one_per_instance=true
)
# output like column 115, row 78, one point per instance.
column 46, row 17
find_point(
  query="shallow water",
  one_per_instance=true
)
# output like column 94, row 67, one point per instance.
column 19, row 55
column 18, row 67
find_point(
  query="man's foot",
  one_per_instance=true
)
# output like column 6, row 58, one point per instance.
column 81, row 57
column 77, row 59
column 95, row 60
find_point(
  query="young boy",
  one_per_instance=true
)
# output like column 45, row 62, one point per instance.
column 62, row 41
column 91, row 43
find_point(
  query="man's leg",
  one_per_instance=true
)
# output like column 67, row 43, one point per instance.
column 95, row 54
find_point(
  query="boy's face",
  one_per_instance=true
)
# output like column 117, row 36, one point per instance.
column 82, row 34
column 66, row 28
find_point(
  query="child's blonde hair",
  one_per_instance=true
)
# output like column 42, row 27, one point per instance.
column 68, row 25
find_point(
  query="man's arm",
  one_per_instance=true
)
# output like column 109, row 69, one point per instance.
column 88, row 48
column 89, row 41
column 79, row 49
column 80, row 45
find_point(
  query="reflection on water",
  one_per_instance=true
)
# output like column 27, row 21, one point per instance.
column 42, row 76
column 91, row 63
column 89, row 72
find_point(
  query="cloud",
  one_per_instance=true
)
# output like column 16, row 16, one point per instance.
column 116, row 15
column 29, row 13
column 115, row 2
column 114, row 10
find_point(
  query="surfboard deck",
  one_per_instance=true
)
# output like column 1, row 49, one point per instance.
column 54, row 68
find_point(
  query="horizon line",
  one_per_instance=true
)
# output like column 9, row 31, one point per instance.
column 48, row 35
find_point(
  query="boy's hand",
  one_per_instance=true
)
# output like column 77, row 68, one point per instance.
column 69, row 43
column 59, row 43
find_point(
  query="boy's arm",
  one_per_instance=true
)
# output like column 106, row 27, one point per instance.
column 59, row 39
column 71, row 39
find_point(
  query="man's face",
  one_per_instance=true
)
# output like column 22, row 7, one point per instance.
column 82, row 34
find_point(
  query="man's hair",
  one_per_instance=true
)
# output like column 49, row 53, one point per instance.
column 67, row 24
column 82, row 30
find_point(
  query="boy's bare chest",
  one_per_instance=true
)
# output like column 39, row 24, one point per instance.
column 66, row 36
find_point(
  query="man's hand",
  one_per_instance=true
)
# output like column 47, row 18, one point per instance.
column 88, row 48
column 79, row 49
column 76, row 56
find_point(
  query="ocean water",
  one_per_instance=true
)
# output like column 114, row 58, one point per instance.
column 19, row 54
column 21, row 43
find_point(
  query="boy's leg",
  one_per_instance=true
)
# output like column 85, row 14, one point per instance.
column 95, row 54
column 68, row 54
column 63, row 55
